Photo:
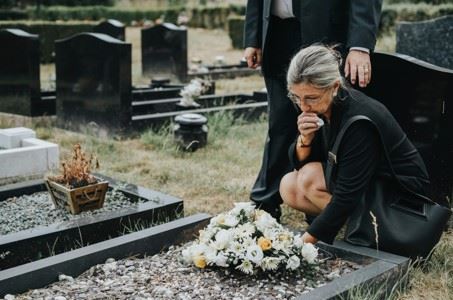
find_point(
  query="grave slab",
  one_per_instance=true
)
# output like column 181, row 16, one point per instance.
column 28, row 245
column 380, row 269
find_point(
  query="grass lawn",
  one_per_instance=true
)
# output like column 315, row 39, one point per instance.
column 213, row 178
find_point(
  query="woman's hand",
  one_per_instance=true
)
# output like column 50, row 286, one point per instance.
column 307, row 124
column 308, row 238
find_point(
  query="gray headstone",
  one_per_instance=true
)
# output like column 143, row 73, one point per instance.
column 19, row 72
column 431, row 40
column 93, row 82
column 164, row 52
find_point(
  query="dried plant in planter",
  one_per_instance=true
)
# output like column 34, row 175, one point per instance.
column 77, row 170
column 77, row 189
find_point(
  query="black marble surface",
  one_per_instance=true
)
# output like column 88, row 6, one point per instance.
column 19, row 72
column 93, row 82
column 431, row 40
column 420, row 96
column 112, row 27
column 164, row 52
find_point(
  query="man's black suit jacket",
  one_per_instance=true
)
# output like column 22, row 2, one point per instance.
column 353, row 23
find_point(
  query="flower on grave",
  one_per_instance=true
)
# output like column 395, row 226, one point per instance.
column 251, row 241
column 190, row 93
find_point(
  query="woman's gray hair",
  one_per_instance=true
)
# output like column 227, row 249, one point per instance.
column 316, row 65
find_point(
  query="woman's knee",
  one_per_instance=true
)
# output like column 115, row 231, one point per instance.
column 309, row 178
column 288, row 186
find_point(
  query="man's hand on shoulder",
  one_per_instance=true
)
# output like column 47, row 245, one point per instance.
column 253, row 57
column 358, row 67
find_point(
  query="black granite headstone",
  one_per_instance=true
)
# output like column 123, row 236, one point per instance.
column 113, row 28
column 431, row 40
column 164, row 52
column 420, row 97
column 19, row 72
column 93, row 82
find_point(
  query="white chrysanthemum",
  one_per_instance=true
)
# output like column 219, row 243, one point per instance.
column 298, row 241
column 293, row 262
column 210, row 254
column 270, row 263
column 206, row 235
column 218, row 220
column 309, row 253
column 247, row 207
column 245, row 230
column 194, row 250
column 231, row 221
column 237, row 248
column 255, row 254
column 264, row 221
column 248, row 241
column 220, row 260
column 245, row 267
column 222, row 239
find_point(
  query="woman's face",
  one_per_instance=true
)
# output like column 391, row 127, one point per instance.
column 313, row 99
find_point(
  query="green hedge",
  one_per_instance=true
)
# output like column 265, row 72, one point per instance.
column 236, row 31
column 102, row 12
column 411, row 12
column 12, row 14
column 49, row 32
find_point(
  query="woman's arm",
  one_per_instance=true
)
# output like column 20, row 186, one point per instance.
column 358, row 159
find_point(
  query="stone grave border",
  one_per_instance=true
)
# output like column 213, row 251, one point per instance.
column 109, row 223
column 383, row 269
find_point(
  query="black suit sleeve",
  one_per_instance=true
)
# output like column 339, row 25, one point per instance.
column 253, row 24
column 364, row 16
column 358, row 158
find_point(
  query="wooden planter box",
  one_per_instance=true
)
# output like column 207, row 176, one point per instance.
column 78, row 199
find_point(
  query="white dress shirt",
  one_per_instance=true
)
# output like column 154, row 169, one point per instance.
column 284, row 10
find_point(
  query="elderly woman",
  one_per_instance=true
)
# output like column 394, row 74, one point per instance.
column 317, row 88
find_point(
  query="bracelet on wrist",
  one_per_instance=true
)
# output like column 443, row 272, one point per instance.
column 301, row 144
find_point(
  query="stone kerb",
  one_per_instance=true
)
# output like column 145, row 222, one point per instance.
column 23, row 154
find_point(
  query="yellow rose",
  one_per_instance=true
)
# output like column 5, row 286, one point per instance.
column 264, row 243
column 199, row 261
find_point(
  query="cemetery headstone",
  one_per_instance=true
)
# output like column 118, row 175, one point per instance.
column 19, row 72
column 112, row 27
column 93, row 82
column 164, row 52
column 420, row 97
column 431, row 40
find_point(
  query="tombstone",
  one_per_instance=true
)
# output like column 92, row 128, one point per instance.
column 431, row 40
column 164, row 52
column 19, row 72
column 93, row 82
column 420, row 97
column 112, row 27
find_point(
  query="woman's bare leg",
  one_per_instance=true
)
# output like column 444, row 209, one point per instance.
column 305, row 190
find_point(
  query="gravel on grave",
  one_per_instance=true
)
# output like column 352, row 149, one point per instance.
column 30, row 211
column 165, row 276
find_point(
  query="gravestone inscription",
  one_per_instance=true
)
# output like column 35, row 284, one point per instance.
column 431, row 40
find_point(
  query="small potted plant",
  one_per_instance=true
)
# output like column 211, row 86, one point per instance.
column 76, row 189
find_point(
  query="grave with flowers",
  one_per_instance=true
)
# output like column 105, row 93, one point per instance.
column 243, row 253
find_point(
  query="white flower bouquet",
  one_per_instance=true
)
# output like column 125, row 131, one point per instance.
column 251, row 241
column 192, row 91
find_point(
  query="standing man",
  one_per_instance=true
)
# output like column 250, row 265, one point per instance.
column 274, row 31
